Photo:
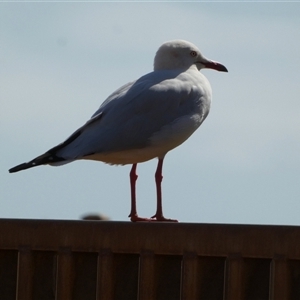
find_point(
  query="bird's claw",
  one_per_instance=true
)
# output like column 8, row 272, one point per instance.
column 162, row 219
column 136, row 218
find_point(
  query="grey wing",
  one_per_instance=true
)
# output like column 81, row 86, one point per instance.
column 129, row 118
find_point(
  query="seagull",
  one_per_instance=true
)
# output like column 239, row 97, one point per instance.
column 144, row 119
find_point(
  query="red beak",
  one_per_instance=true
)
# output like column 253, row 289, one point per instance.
column 215, row 65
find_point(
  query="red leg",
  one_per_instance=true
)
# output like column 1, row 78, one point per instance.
column 158, row 179
column 133, row 177
column 133, row 213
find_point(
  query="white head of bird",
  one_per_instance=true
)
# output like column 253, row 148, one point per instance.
column 180, row 54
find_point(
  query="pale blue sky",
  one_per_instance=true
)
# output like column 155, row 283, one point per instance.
column 59, row 61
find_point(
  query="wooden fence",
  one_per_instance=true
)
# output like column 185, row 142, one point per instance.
column 89, row 260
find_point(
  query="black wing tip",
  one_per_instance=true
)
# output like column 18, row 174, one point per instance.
column 13, row 170
column 44, row 159
column 21, row 167
column 50, row 156
column 33, row 163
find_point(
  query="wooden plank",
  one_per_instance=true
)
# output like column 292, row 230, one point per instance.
column 250, row 250
column 278, row 278
column 233, row 277
column 146, row 276
column 293, row 275
column 105, row 284
column 125, row 237
column 25, row 274
column 189, row 280
column 65, row 275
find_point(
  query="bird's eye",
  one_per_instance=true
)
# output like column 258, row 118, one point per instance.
column 193, row 53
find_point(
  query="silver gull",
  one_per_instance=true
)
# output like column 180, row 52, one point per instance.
column 143, row 119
